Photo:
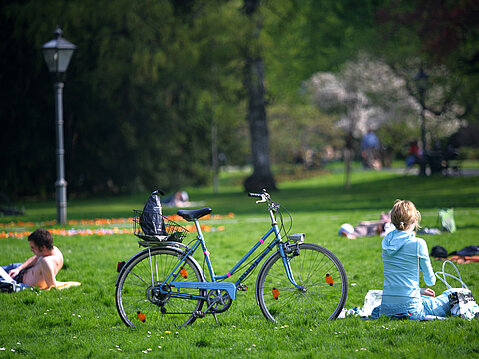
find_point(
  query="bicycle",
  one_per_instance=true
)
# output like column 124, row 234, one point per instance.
column 164, row 284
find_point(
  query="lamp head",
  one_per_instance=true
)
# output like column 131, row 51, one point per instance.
column 58, row 52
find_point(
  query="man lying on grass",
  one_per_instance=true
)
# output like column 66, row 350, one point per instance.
column 41, row 269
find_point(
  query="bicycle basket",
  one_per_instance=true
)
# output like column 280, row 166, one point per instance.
column 163, row 230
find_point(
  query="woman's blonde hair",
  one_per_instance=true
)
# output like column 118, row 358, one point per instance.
column 404, row 213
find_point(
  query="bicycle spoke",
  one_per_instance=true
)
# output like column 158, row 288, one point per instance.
column 155, row 304
column 322, row 290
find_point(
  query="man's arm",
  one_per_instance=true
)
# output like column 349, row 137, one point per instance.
column 48, row 273
column 28, row 263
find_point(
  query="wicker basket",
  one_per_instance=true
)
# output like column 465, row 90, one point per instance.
column 172, row 231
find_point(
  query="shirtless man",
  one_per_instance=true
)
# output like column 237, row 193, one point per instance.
column 41, row 269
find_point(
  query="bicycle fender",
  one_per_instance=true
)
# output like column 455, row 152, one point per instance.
column 228, row 286
column 173, row 248
column 261, row 271
column 275, row 254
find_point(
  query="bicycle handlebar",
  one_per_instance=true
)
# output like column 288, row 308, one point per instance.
column 265, row 197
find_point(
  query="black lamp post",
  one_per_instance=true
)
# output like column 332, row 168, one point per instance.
column 57, row 54
column 421, row 79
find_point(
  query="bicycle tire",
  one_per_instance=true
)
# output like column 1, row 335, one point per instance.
column 318, row 271
column 138, row 300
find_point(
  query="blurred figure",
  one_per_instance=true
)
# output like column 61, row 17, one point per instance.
column 178, row 199
column 367, row 228
column 370, row 150
column 413, row 154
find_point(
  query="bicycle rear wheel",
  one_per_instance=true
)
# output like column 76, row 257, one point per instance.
column 142, row 297
column 322, row 280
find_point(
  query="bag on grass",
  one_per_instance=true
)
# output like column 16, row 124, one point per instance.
column 439, row 252
column 7, row 287
column 468, row 251
column 447, row 219
column 463, row 304
column 371, row 300
column 151, row 218
column 461, row 300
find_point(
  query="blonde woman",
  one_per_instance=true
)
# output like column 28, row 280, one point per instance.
column 404, row 257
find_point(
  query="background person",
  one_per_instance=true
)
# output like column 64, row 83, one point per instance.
column 41, row 269
column 370, row 150
column 178, row 199
column 413, row 154
column 367, row 228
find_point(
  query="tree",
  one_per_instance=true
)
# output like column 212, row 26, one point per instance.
column 367, row 93
column 442, row 36
column 254, row 84
column 320, row 36
column 135, row 117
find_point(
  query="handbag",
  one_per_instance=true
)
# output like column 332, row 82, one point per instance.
column 461, row 299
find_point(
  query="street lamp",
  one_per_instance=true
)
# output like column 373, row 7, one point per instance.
column 421, row 80
column 57, row 54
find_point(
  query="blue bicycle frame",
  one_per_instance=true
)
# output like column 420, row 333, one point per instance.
column 230, row 287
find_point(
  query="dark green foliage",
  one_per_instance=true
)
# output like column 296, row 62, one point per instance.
column 440, row 34
column 137, row 98
column 150, row 77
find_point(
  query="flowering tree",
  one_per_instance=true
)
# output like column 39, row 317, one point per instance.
column 367, row 93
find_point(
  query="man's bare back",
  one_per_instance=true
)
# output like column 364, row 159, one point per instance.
column 44, row 270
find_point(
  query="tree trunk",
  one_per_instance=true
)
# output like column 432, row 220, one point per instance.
column 348, row 154
column 254, row 83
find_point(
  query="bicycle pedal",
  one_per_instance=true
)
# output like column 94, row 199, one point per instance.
column 199, row 314
column 243, row 287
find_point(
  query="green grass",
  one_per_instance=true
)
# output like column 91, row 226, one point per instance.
column 83, row 322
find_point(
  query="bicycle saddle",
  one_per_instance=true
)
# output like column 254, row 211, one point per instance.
column 193, row 214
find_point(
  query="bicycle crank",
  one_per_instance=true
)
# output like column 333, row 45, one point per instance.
column 218, row 301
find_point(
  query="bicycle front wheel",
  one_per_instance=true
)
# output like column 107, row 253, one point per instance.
column 322, row 292
column 143, row 297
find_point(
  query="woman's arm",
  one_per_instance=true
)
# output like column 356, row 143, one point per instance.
column 425, row 263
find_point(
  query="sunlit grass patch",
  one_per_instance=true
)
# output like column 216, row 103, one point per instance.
column 83, row 321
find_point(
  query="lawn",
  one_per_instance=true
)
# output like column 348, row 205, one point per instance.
column 83, row 321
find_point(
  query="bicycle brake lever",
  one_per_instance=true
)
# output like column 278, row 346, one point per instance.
column 275, row 206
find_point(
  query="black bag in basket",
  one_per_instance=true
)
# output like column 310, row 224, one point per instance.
column 151, row 219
